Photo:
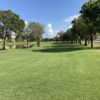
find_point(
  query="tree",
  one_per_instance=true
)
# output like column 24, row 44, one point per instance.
column 19, row 36
column 70, row 35
column 37, row 31
column 27, row 32
column 1, row 31
column 11, row 22
column 61, row 34
column 91, row 13
column 81, row 28
column 56, row 39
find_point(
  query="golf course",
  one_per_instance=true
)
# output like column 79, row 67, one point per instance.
column 50, row 50
column 51, row 72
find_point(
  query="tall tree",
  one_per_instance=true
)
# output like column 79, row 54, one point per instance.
column 91, row 13
column 37, row 31
column 11, row 22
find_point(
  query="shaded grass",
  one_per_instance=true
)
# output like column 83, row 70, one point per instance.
column 51, row 72
column 55, row 48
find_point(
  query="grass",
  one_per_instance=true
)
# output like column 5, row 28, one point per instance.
column 51, row 72
column 15, row 43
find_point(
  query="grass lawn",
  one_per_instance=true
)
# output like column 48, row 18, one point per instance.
column 51, row 72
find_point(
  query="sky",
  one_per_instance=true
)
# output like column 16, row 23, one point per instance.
column 55, row 15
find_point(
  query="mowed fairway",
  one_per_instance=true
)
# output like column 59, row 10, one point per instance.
column 51, row 72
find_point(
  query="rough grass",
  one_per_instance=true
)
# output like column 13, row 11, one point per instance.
column 51, row 72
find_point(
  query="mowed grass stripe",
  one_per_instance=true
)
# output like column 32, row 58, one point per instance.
column 71, row 73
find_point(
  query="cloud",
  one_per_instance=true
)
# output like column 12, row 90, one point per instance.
column 70, row 26
column 26, row 23
column 69, row 19
column 49, row 32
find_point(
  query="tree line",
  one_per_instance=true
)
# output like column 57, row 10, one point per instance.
column 86, row 27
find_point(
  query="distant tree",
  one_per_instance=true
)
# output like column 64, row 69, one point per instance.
column 81, row 28
column 11, row 22
column 56, row 39
column 37, row 31
column 27, row 32
column 71, row 35
column 46, row 39
column 61, row 35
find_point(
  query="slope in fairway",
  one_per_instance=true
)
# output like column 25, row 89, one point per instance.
column 51, row 72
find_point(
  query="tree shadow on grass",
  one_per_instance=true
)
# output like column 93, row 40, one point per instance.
column 61, row 48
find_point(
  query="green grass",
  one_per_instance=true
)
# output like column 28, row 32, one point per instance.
column 51, row 72
column 15, row 43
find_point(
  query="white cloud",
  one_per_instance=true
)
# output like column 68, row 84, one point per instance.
column 49, row 32
column 70, row 26
column 26, row 23
column 69, row 19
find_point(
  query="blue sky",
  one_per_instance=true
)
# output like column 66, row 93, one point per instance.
column 56, row 15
